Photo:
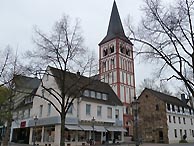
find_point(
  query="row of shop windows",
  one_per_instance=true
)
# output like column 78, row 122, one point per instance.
column 71, row 136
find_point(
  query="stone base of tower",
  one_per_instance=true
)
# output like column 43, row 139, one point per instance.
column 128, row 124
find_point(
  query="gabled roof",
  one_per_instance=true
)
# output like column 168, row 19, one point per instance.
column 115, row 28
column 26, row 82
column 167, row 98
column 75, row 83
column 25, row 87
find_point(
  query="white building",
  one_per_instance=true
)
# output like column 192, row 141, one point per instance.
column 98, row 102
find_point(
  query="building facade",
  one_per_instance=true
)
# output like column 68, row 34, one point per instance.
column 116, row 64
column 97, row 114
column 164, row 118
column 25, row 88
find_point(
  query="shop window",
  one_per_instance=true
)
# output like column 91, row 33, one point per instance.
column 49, row 133
column 37, row 132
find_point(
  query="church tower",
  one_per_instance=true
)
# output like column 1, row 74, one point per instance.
column 116, row 64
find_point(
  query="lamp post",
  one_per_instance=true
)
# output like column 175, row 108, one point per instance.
column 135, row 110
column 35, row 122
column 93, row 137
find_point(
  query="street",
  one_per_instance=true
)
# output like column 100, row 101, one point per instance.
column 144, row 144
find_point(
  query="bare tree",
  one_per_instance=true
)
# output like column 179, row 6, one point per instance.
column 152, row 84
column 9, row 67
column 167, row 38
column 63, row 48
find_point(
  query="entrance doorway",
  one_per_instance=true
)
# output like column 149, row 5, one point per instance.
column 161, row 137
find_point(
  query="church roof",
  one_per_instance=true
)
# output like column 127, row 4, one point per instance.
column 115, row 28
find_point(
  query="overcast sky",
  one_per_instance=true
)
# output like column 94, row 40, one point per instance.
column 18, row 17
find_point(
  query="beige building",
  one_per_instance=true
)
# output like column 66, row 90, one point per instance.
column 164, row 118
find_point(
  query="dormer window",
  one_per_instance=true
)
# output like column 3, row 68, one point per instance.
column 86, row 93
column 173, row 109
column 104, row 96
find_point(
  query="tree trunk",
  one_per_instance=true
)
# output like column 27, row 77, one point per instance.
column 62, row 140
column 5, row 141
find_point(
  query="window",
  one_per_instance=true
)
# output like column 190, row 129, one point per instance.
column 105, row 52
column 175, row 133
column 157, row 107
column 112, row 61
column 104, row 96
column 174, row 119
column 93, row 94
column 178, row 109
column 193, row 133
column 49, row 134
column 99, row 111
column 121, row 48
column 117, row 114
column 128, row 51
column 111, row 48
column 168, row 106
column 104, row 64
column 49, row 109
column 98, row 95
column 191, row 121
column 40, row 110
column 28, row 113
column 184, row 121
column 86, row 93
column 190, row 111
column 173, row 109
column 179, row 120
column 183, row 109
column 109, row 112
column 23, row 112
column 169, row 118
column 70, row 110
column 88, row 109
column 186, row 132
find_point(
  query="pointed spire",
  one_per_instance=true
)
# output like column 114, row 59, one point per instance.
column 115, row 28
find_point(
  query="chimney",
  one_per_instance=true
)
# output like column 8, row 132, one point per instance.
column 183, row 98
column 78, row 73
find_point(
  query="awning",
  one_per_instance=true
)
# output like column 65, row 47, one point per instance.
column 114, row 129
column 99, row 128
column 121, row 129
column 73, row 127
column 86, row 127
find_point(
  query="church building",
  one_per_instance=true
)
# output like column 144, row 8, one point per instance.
column 116, row 65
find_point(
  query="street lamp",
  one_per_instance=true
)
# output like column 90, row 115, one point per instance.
column 35, row 122
column 93, row 137
column 135, row 111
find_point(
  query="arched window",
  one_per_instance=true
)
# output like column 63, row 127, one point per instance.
column 112, row 49
column 128, row 52
column 105, row 52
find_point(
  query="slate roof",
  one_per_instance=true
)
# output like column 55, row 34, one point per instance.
column 24, row 84
column 167, row 98
column 75, row 83
column 115, row 28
